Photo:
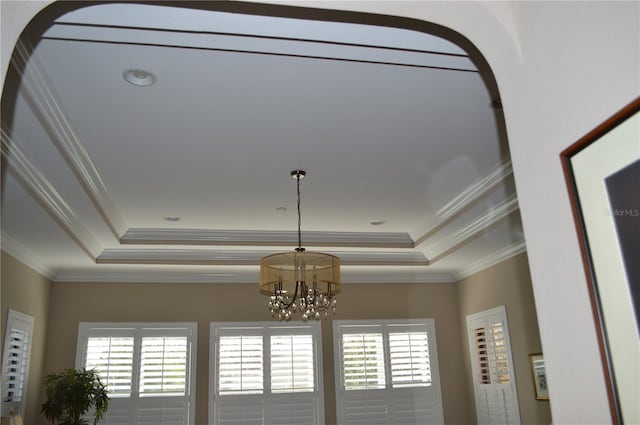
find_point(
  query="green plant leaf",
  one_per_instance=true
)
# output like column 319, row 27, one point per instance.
column 71, row 394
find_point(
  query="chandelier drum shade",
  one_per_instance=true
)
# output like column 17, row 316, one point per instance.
column 300, row 281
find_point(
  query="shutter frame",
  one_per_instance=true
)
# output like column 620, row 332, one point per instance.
column 161, row 409
column 271, row 407
column 388, row 405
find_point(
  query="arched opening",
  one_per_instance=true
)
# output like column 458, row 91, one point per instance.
column 460, row 210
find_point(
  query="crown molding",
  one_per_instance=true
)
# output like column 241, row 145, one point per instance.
column 39, row 187
column 149, row 236
column 492, row 259
column 248, row 257
column 447, row 244
column 245, row 276
column 26, row 256
column 43, row 101
column 467, row 198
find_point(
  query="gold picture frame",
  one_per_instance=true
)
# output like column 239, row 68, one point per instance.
column 539, row 376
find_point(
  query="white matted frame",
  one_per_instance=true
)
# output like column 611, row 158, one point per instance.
column 589, row 165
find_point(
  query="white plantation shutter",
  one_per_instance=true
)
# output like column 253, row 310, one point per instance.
column 163, row 366
column 492, row 368
column 112, row 358
column 292, row 368
column 15, row 362
column 265, row 373
column 409, row 355
column 363, row 361
column 147, row 367
column 240, row 360
column 387, row 373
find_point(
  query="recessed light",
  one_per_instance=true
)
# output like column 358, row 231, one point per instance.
column 139, row 77
column 377, row 222
column 281, row 209
column 172, row 218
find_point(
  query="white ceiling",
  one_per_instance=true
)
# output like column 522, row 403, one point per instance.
column 390, row 124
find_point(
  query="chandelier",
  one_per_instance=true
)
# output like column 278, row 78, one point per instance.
column 300, row 281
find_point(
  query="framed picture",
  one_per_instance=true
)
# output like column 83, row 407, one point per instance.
column 602, row 172
column 539, row 375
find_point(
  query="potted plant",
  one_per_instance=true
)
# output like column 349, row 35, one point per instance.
column 71, row 394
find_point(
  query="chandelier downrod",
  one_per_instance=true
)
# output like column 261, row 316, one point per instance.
column 300, row 281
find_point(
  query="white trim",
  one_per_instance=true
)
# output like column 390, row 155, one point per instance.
column 248, row 257
column 249, row 276
column 492, row 259
column 35, row 86
column 264, row 238
column 466, row 198
column 41, row 189
column 476, row 191
column 440, row 248
column 26, row 256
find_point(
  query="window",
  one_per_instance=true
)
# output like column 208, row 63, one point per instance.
column 492, row 368
column 148, row 369
column 387, row 372
column 15, row 362
column 266, row 373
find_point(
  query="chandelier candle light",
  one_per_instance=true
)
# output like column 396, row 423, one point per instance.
column 300, row 281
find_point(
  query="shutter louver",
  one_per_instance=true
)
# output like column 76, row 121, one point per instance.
column 363, row 361
column 292, row 368
column 15, row 370
column 163, row 366
column 240, row 365
column 162, row 411
column 409, row 356
column 112, row 358
column 294, row 409
column 239, row 410
column 500, row 359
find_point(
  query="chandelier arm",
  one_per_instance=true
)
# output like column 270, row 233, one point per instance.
column 293, row 299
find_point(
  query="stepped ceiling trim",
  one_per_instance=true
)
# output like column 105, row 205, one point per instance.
column 248, row 257
column 264, row 238
column 24, row 255
column 492, row 259
column 47, row 196
column 42, row 100
column 455, row 240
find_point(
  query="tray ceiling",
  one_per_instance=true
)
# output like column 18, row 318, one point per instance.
column 188, row 179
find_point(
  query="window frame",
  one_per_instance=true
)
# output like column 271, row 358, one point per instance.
column 140, row 330
column 267, row 329
column 385, row 327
